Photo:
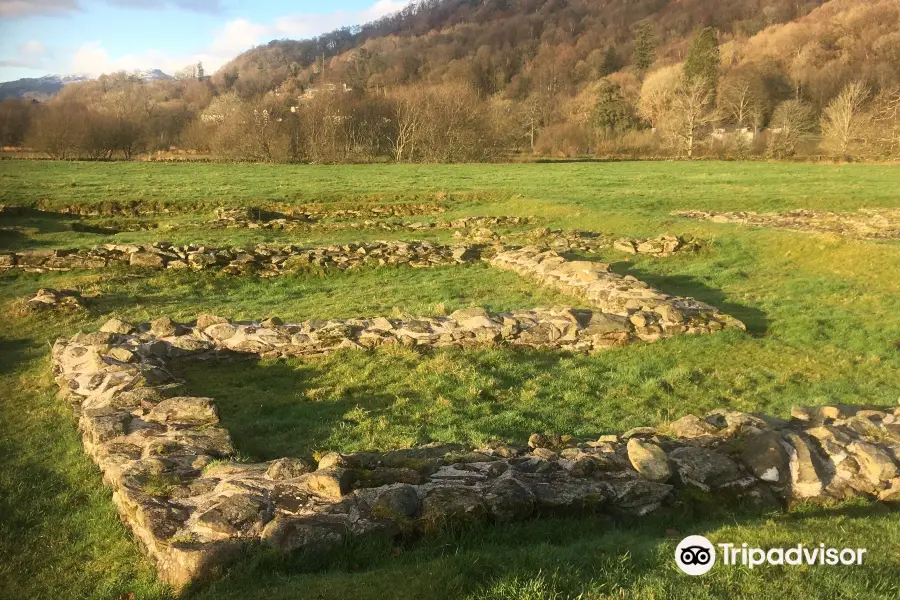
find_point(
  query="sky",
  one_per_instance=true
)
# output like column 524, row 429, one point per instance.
column 41, row 37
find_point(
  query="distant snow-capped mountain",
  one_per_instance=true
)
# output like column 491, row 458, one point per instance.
column 151, row 74
column 48, row 85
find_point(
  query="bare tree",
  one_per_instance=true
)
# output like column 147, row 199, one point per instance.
column 657, row 93
column 843, row 120
column 408, row 115
column 58, row 129
column 15, row 117
column 791, row 120
column 885, row 121
column 691, row 111
column 741, row 100
column 678, row 107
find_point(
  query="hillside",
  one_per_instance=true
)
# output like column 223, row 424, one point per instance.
column 37, row 87
column 41, row 88
column 494, row 43
column 844, row 40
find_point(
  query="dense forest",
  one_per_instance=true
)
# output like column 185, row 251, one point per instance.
column 472, row 80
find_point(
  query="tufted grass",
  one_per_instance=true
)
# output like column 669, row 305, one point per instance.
column 823, row 316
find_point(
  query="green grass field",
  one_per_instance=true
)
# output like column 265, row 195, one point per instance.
column 823, row 317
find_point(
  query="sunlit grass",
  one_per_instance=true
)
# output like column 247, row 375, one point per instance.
column 823, row 316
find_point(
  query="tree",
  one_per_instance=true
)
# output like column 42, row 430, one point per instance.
column 188, row 72
column 644, row 51
column 58, row 129
column 482, row 74
column 550, row 78
column 803, row 65
column 691, row 111
column 610, row 63
column 125, row 111
column 885, row 121
column 742, row 99
column 533, row 116
column 677, row 106
column 200, row 71
column 612, row 113
column 15, row 118
column 843, row 121
column 359, row 70
column 408, row 121
column 791, row 120
column 657, row 92
column 702, row 60
column 230, row 79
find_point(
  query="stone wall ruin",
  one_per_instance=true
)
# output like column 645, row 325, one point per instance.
column 263, row 259
column 194, row 508
column 166, row 457
column 478, row 229
column 870, row 224
column 274, row 259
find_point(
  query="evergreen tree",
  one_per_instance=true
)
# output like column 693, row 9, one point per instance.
column 702, row 60
column 644, row 52
column 230, row 79
column 612, row 113
column 610, row 63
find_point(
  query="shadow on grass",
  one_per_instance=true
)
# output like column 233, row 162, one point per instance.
column 684, row 285
column 274, row 409
column 43, row 222
column 565, row 554
column 291, row 408
column 14, row 353
column 38, row 222
column 12, row 239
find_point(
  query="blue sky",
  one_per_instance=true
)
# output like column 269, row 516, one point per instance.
column 40, row 37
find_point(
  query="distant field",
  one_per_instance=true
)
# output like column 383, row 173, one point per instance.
column 626, row 187
column 823, row 317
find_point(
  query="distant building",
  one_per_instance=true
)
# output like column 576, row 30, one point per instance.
column 330, row 88
column 722, row 133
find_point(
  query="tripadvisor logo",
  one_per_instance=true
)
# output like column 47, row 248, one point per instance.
column 696, row 555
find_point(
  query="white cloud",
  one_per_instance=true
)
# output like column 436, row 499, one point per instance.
column 305, row 25
column 232, row 38
column 32, row 48
column 201, row 6
column 93, row 59
column 28, row 8
column 383, row 8
column 25, row 8
column 238, row 35
column 30, row 55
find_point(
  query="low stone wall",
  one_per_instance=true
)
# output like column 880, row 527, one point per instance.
column 471, row 229
column 653, row 313
column 325, row 210
column 590, row 242
column 306, row 214
column 560, row 328
column 50, row 299
column 266, row 260
column 273, row 259
column 663, row 245
column 253, row 219
column 864, row 224
column 166, row 456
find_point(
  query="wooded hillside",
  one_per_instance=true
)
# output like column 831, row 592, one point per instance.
column 452, row 80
